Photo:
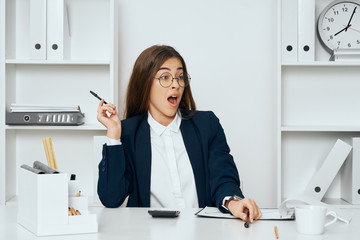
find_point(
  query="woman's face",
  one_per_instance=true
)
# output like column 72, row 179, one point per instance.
column 164, row 102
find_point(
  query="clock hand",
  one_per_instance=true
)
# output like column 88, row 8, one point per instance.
column 344, row 29
column 348, row 25
column 354, row 29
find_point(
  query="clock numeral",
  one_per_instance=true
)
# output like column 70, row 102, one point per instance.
column 327, row 28
column 349, row 45
column 331, row 37
column 357, row 41
column 336, row 12
column 345, row 9
column 330, row 19
column 338, row 43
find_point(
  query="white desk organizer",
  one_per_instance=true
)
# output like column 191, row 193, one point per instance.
column 43, row 206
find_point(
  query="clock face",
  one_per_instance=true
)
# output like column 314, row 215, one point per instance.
column 339, row 25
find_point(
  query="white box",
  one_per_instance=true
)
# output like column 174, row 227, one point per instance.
column 43, row 206
column 350, row 175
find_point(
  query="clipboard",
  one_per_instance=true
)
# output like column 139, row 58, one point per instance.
column 270, row 214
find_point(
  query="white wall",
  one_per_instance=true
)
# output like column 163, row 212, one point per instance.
column 230, row 49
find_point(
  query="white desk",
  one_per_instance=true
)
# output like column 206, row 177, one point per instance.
column 136, row 223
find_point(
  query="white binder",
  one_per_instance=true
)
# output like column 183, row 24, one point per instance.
column 306, row 31
column 55, row 29
column 289, row 31
column 350, row 175
column 322, row 179
column 38, row 29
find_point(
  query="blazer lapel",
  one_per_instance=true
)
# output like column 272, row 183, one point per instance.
column 143, row 162
column 193, row 147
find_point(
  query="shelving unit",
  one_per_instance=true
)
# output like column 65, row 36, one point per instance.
column 91, row 64
column 318, row 102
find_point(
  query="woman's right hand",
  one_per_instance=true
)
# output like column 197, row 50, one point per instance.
column 111, row 122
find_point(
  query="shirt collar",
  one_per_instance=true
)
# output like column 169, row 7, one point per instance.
column 160, row 129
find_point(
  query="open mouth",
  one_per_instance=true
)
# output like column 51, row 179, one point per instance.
column 172, row 100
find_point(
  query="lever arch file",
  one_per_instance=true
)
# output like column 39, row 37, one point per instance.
column 306, row 30
column 55, row 29
column 350, row 176
column 322, row 179
column 38, row 29
column 289, row 30
column 45, row 118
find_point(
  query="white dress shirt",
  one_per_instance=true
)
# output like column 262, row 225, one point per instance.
column 172, row 177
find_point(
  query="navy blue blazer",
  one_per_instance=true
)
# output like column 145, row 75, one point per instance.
column 125, row 169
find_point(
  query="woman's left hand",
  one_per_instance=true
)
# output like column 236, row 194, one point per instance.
column 246, row 209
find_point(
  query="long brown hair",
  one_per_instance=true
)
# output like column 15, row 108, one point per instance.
column 144, row 71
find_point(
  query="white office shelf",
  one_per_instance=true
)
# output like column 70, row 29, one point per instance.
column 321, row 64
column 58, row 62
column 318, row 103
column 84, row 127
column 89, row 62
column 338, row 202
column 320, row 128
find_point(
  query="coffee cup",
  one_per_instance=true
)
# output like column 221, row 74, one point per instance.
column 310, row 219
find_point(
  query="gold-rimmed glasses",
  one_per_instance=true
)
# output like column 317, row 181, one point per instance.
column 166, row 79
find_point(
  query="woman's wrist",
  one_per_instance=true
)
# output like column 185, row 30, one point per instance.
column 114, row 133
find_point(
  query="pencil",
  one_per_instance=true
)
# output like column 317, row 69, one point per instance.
column 73, row 213
column 52, row 154
column 276, row 232
column 47, row 152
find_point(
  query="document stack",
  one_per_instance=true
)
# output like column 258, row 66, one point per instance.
column 24, row 114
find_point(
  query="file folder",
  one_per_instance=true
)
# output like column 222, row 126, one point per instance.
column 350, row 175
column 322, row 179
column 55, row 29
column 38, row 29
column 289, row 30
column 306, row 31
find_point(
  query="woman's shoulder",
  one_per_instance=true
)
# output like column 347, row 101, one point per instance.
column 197, row 115
column 133, row 122
column 204, row 119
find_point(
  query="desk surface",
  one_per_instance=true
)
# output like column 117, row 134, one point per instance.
column 136, row 223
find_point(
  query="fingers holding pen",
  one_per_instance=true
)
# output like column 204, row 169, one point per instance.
column 245, row 209
column 103, row 108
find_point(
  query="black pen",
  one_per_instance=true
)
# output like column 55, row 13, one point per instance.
column 246, row 224
column 95, row 95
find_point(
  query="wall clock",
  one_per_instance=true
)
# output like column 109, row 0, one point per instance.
column 339, row 25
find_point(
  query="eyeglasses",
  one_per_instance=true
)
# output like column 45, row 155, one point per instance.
column 166, row 79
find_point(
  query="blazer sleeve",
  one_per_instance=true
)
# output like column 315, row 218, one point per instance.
column 224, row 177
column 114, row 177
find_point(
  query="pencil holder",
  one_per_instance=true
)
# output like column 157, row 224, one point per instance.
column 43, row 206
column 79, row 203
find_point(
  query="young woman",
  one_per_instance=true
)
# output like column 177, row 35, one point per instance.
column 165, row 153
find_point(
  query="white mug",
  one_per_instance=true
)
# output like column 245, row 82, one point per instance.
column 310, row 219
